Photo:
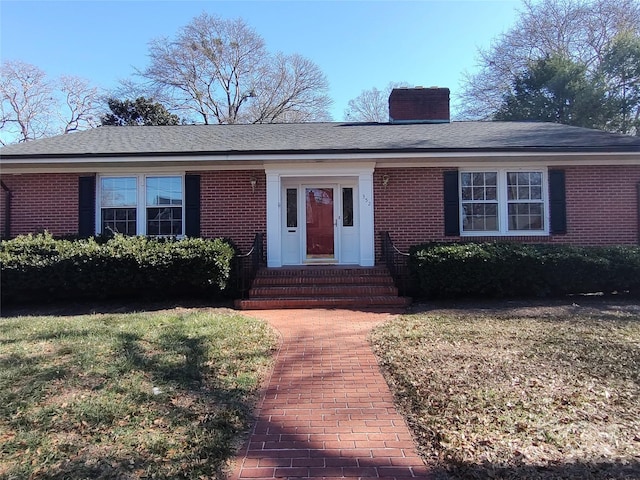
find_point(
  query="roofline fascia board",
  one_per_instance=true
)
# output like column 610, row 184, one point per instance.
column 187, row 155
column 125, row 168
column 549, row 160
column 297, row 156
column 258, row 162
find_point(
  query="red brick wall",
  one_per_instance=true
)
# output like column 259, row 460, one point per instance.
column 410, row 207
column 229, row 207
column 41, row 202
column 602, row 205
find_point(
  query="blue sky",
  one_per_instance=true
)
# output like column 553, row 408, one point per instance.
column 357, row 44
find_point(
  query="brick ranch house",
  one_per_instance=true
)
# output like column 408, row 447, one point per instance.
column 322, row 192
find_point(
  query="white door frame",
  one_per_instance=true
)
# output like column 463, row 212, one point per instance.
column 312, row 174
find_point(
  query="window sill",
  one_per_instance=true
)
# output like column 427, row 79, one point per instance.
column 496, row 237
column 508, row 234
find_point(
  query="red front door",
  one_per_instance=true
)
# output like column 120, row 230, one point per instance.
column 320, row 223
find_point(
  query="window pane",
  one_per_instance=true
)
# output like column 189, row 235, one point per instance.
column 118, row 191
column 526, row 216
column 108, row 214
column 480, row 217
column 536, row 178
column 164, row 191
column 479, row 186
column 536, row 193
column 347, row 207
column 478, row 179
column 119, row 220
column 523, row 193
column 524, row 186
column 164, row 221
column 292, row 207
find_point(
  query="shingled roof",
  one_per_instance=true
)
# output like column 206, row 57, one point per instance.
column 324, row 138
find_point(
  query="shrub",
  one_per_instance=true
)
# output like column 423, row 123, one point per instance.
column 501, row 270
column 43, row 268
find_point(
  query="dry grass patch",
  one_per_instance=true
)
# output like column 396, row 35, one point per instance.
column 164, row 395
column 520, row 392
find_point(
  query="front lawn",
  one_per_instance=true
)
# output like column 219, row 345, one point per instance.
column 162, row 395
column 519, row 391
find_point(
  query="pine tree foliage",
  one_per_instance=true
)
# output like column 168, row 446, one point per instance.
column 141, row 111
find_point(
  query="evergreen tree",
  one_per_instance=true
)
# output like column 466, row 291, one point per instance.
column 141, row 111
column 557, row 89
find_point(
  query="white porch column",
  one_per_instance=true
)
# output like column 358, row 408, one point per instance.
column 367, row 234
column 274, row 230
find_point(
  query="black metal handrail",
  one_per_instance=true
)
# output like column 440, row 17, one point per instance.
column 247, row 265
column 397, row 263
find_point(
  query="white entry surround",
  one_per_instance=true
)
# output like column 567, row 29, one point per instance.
column 354, row 245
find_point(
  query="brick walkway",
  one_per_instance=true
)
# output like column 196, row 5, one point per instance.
column 327, row 411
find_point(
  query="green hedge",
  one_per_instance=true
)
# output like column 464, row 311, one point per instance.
column 42, row 268
column 500, row 270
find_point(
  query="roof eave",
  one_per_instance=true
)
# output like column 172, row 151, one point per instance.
column 372, row 151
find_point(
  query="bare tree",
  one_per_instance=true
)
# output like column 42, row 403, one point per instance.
column 80, row 104
column 220, row 71
column 289, row 90
column 27, row 102
column 371, row 105
column 579, row 30
column 33, row 107
column 620, row 69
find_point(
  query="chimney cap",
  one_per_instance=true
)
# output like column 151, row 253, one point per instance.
column 421, row 87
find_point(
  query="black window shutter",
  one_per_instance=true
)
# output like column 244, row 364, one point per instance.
column 638, row 207
column 86, row 206
column 557, row 202
column 192, row 205
column 451, row 204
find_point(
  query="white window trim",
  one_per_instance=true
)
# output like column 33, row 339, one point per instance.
column 503, row 220
column 141, row 206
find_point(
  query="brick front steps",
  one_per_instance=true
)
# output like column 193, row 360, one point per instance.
column 322, row 287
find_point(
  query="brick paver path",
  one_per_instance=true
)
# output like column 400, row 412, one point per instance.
column 327, row 411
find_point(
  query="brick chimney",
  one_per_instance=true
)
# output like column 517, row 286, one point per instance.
column 419, row 105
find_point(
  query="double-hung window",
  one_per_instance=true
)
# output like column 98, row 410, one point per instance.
column 141, row 205
column 503, row 202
